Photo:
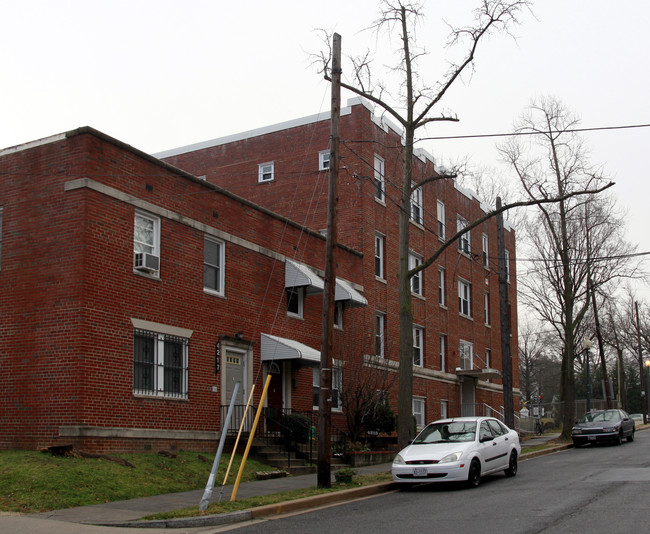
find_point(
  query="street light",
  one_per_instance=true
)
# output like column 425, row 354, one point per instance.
column 647, row 387
column 586, row 344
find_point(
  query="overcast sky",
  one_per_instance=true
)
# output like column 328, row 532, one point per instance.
column 158, row 74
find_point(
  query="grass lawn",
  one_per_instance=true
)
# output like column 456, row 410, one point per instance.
column 32, row 481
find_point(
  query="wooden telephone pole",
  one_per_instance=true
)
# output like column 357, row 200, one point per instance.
column 325, row 398
column 504, row 307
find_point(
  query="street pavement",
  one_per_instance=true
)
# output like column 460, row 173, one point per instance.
column 122, row 516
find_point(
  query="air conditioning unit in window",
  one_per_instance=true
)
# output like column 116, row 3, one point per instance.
column 143, row 261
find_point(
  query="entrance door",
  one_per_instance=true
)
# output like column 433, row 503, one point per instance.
column 235, row 372
column 275, row 399
column 467, row 402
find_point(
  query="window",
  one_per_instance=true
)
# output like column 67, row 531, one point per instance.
column 418, row 412
column 213, row 263
column 146, row 241
column 464, row 241
column 507, row 265
column 418, row 340
column 336, row 388
column 442, row 298
column 416, row 204
column 380, row 329
column 265, row 172
column 488, row 359
column 338, row 315
column 324, row 160
column 486, row 257
column 416, row 279
column 464, row 298
column 295, row 299
column 444, row 409
column 443, row 352
column 159, row 364
column 440, row 215
column 486, row 308
column 466, row 351
column 379, row 256
column 380, row 182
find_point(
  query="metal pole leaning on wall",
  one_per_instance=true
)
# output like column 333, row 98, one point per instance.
column 203, row 505
column 234, row 449
column 250, row 438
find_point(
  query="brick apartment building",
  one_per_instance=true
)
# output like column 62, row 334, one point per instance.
column 134, row 295
column 457, row 336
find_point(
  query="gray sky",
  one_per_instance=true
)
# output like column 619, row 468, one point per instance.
column 159, row 74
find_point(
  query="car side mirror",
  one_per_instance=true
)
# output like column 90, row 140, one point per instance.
column 486, row 438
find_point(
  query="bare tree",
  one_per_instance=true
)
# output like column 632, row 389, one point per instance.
column 576, row 254
column 414, row 107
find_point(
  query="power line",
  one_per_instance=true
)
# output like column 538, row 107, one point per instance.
column 516, row 134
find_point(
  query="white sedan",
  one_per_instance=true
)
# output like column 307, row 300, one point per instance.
column 458, row 449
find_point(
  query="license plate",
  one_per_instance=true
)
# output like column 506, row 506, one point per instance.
column 592, row 438
column 419, row 471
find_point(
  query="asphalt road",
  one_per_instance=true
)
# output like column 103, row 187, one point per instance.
column 592, row 489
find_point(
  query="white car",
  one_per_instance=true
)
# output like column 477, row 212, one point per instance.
column 458, row 449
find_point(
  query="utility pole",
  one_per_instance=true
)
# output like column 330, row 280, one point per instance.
column 504, row 306
column 644, row 407
column 324, row 476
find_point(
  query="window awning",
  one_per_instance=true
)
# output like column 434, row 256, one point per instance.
column 280, row 348
column 299, row 275
column 482, row 374
column 345, row 291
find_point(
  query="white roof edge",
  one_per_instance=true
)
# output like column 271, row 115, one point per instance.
column 485, row 207
column 279, row 348
column 32, row 144
column 302, row 121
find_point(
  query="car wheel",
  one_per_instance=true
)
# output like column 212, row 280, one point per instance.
column 619, row 438
column 474, row 476
column 631, row 436
column 577, row 444
column 512, row 466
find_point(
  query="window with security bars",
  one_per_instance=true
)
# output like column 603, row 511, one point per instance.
column 159, row 364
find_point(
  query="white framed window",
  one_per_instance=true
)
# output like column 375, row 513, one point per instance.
column 464, row 298
column 213, row 266
column 380, row 242
column 324, row 160
column 486, row 256
column 159, row 364
column 444, row 409
column 443, row 352
column 418, row 344
column 507, row 265
column 295, row 301
column 146, row 242
column 337, row 381
column 418, row 412
column 266, row 172
column 416, row 205
column 380, row 334
column 416, row 279
column 380, row 179
column 488, row 358
column 464, row 241
column 442, row 296
column 440, row 216
column 466, row 352
column 486, row 307
column 338, row 315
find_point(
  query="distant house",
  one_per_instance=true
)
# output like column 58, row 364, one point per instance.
column 134, row 296
column 456, row 336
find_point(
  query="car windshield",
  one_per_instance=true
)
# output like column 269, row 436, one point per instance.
column 453, row 431
column 598, row 417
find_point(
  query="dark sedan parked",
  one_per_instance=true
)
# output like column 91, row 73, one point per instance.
column 603, row 426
